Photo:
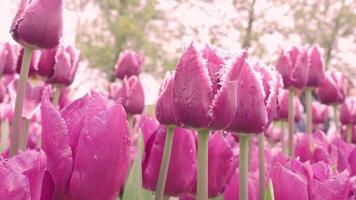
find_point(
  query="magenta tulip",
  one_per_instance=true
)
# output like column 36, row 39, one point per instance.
column 316, row 69
column 283, row 106
column 38, row 24
column 128, row 64
column 80, row 142
column 194, row 100
column 21, row 176
column 320, row 112
column 352, row 162
column 165, row 108
column 348, row 111
column 232, row 188
column 293, row 65
column 3, row 92
column 333, row 89
column 182, row 164
column 8, row 58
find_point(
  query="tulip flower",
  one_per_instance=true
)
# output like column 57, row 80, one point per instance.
column 21, row 176
column 182, row 164
column 3, row 92
column 333, row 88
column 348, row 116
column 282, row 113
column 38, row 24
column 201, row 100
column 320, row 112
column 232, row 188
column 165, row 108
column 346, row 134
column 352, row 162
column 80, row 142
column 8, row 57
column 128, row 64
column 131, row 95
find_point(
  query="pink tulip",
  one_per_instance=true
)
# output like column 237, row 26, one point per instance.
column 320, row 112
column 21, row 176
column 3, row 92
column 38, row 24
column 353, row 133
column 316, row 69
column 182, row 164
column 80, row 142
column 200, row 100
column 232, row 188
column 293, row 65
column 333, row 89
column 128, row 64
column 352, row 162
column 348, row 111
column 283, row 106
column 165, row 108
column 8, row 58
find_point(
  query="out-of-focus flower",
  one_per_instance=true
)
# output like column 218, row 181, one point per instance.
column 348, row 111
column 320, row 112
column 182, row 164
column 38, row 24
column 232, row 188
column 128, row 64
column 316, row 69
column 200, row 99
column 3, row 92
column 35, row 57
column 21, row 176
column 293, row 65
column 80, row 142
column 283, row 106
column 165, row 108
column 131, row 95
column 8, row 58
column 333, row 89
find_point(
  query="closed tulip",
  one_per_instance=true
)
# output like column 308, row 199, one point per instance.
column 182, row 164
column 165, row 108
column 293, row 65
column 80, row 142
column 8, row 58
column 316, row 68
column 333, row 89
column 200, row 99
column 128, row 64
column 320, row 112
column 283, row 106
column 348, row 111
column 38, row 24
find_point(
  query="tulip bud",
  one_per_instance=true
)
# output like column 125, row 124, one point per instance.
column 348, row 111
column 182, row 164
column 8, row 58
column 293, row 65
column 333, row 89
column 316, row 68
column 38, row 24
column 131, row 95
column 128, row 64
column 320, row 112
column 283, row 106
column 165, row 108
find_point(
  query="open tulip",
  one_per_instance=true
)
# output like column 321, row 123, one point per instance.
column 8, row 58
column 80, row 142
column 182, row 163
column 38, row 24
column 128, row 64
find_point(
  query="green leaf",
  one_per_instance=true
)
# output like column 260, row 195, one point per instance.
column 133, row 188
column 269, row 195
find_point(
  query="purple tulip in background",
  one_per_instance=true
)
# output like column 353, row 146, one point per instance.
column 333, row 89
column 316, row 68
column 128, row 64
column 80, row 142
column 293, row 65
column 130, row 94
column 8, row 58
column 164, row 107
column 38, row 24
column 21, row 176
column 282, row 113
column 200, row 100
column 182, row 164
column 320, row 112
column 348, row 111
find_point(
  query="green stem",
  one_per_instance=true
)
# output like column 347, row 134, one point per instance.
column 291, row 122
column 24, row 133
column 349, row 133
column 283, row 137
column 308, row 99
column 159, row 195
column 4, row 136
column 25, row 67
column 261, row 166
column 336, row 118
column 202, row 187
column 243, row 171
column 57, row 93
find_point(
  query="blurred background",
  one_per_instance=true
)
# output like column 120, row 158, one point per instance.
column 159, row 29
